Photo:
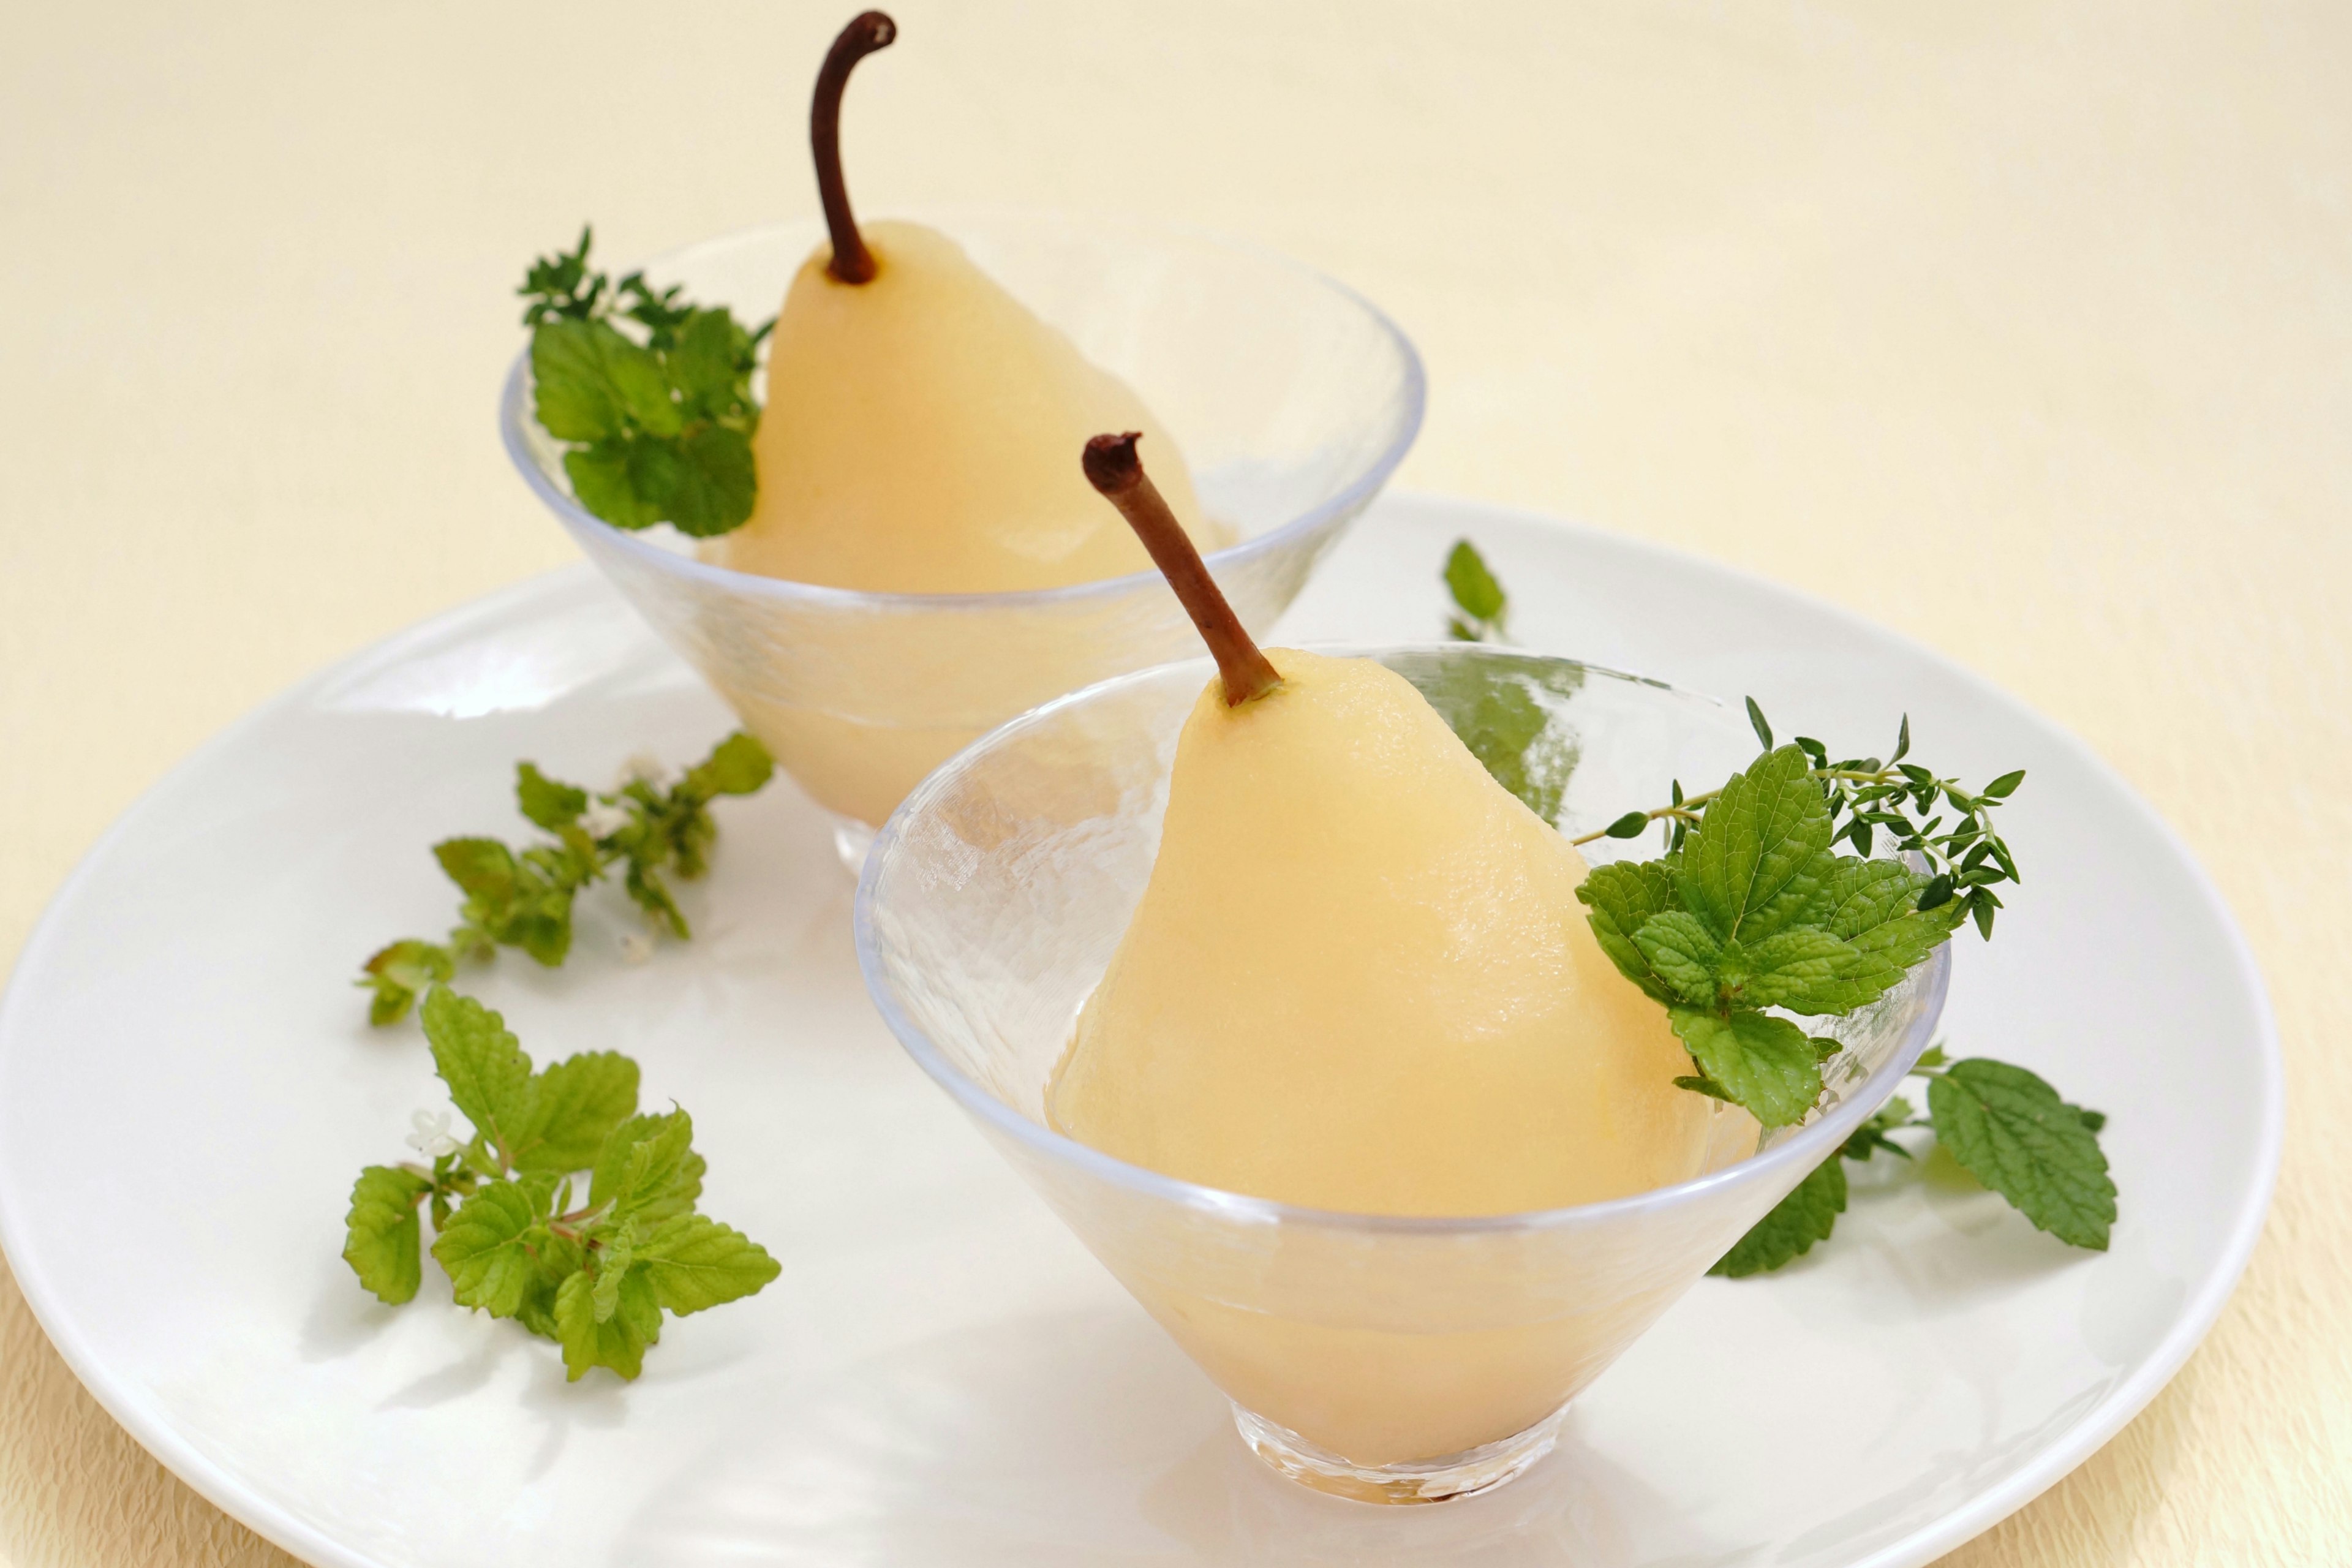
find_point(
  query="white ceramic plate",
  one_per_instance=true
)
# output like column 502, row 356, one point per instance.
column 941, row 1376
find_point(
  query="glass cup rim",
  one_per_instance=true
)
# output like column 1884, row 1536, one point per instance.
column 514, row 417
column 1811, row 1145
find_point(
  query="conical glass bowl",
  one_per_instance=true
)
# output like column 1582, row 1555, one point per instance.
column 1383, row 1358
column 1292, row 398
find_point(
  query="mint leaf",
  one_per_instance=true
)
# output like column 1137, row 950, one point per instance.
column 2012, row 1132
column 488, row 1076
column 484, row 869
column 558, row 1258
column 487, row 1244
column 1751, row 865
column 693, row 1262
column 1681, row 953
column 701, row 364
column 382, row 1240
column 601, row 481
column 1621, row 899
column 572, row 393
column 580, row 1101
column 1765, row 1064
column 1872, row 906
column 737, row 765
column 716, row 483
column 644, row 1160
column 1787, row 1232
column 617, row 1342
column 396, row 974
column 549, row 802
column 1790, row 968
column 618, row 1251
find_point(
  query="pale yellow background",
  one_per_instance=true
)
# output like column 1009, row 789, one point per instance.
column 2025, row 328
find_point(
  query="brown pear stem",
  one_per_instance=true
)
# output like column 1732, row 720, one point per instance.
column 866, row 32
column 1113, row 468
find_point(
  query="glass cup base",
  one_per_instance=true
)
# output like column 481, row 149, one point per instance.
column 1441, row 1479
column 851, row 840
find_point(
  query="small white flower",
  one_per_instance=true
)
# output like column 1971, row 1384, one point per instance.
column 644, row 767
column 602, row 821
column 432, row 1138
column 637, row 946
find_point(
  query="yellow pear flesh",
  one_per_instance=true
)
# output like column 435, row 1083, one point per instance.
column 922, row 431
column 1358, row 979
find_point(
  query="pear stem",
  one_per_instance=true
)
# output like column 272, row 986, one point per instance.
column 1113, row 468
column 866, row 32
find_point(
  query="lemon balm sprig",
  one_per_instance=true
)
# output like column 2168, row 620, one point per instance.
column 595, row 1276
column 652, row 824
column 1768, row 910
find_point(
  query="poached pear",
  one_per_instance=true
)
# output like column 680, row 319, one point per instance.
column 919, row 419
column 1358, row 977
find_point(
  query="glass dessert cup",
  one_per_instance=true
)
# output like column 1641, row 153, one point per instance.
column 1292, row 398
column 1383, row 1358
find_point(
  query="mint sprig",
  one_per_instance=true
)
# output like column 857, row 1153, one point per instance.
column 1754, row 919
column 594, row 1277
column 658, row 424
column 651, row 827
column 1752, row 915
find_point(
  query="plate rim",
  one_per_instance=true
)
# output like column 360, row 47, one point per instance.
column 179, row 1454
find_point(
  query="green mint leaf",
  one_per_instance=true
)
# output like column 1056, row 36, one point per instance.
column 1787, row 1232
column 1706, row 1085
column 580, row 1101
column 572, row 395
column 1621, row 899
column 2012, row 1132
column 1473, row 585
column 558, row 1258
column 1764, row 1064
column 611, row 1270
column 398, row 973
column 617, row 1342
column 680, row 1196
column 737, row 765
column 1682, row 953
column 1933, row 1056
column 703, row 483
column 693, row 1262
column 484, row 868
column 549, row 802
column 701, row 364
column 489, row 1243
column 2097, row 1121
column 1791, row 968
column 642, row 1163
column 380, row 1237
column 1870, row 904
column 1752, row 863
column 601, row 479
column 488, row 1076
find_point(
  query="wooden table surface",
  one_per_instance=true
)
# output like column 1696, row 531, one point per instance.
column 2026, row 328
